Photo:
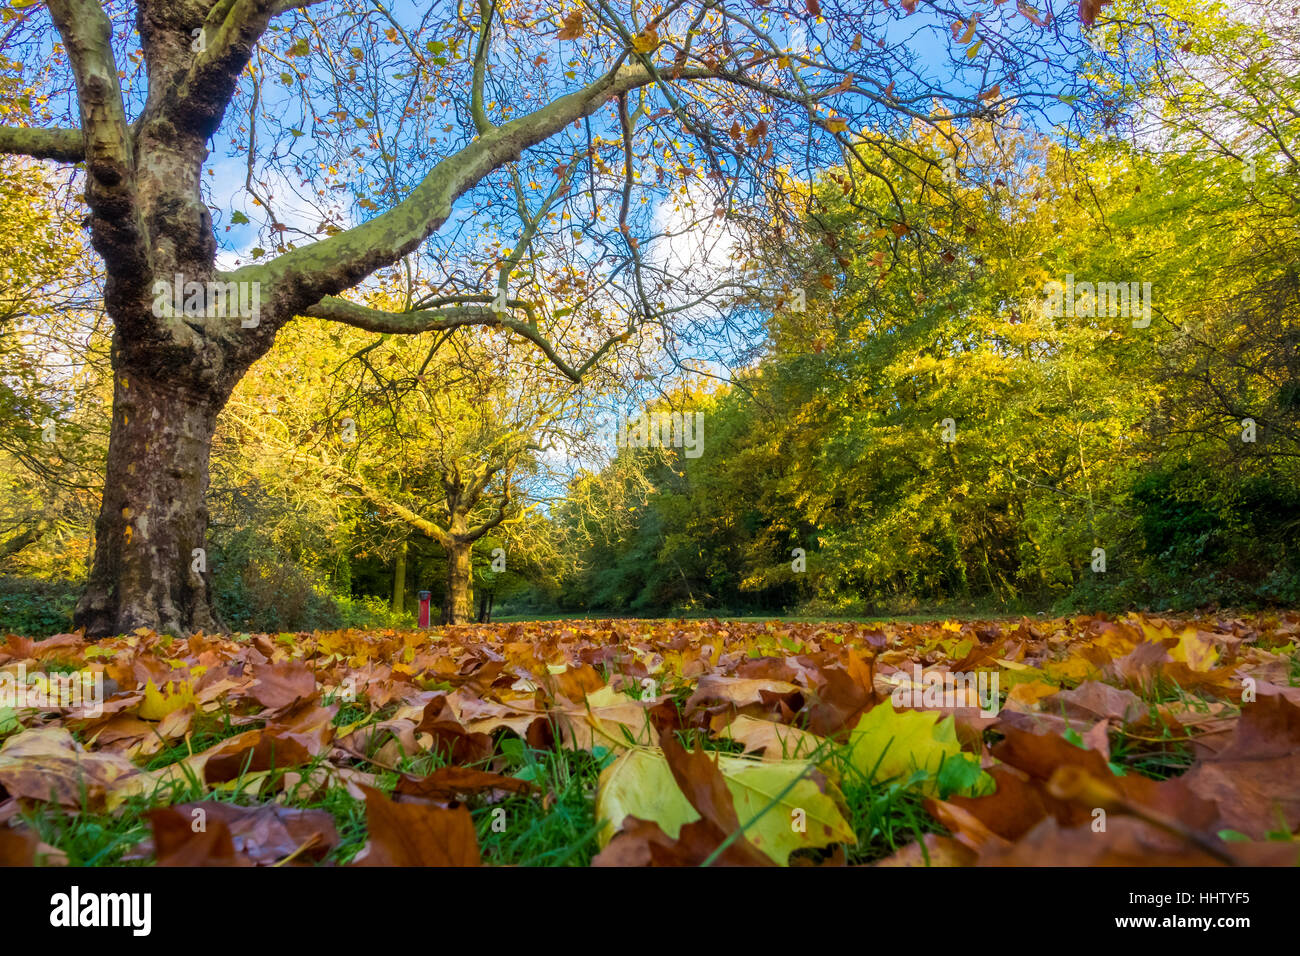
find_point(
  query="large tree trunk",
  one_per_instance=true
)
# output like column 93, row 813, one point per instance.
column 147, row 571
column 458, row 603
column 399, row 580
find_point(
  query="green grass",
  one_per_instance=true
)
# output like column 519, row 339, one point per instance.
column 90, row 839
column 557, row 829
column 206, row 731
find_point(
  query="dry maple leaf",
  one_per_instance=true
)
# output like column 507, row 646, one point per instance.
column 1012, row 809
column 606, row 719
column 936, row 851
column 1255, row 779
column 699, row 779
column 774, row 741
column 1040, row 756
column 17, row 848
column 644, row 843
column 177, row 843
column 450, row 783
column 417, row 834
column 842, row 696
column 573, row 26
column 281, row 684
column 1124, row 842
column 1089, row 10
column 47, row 763
column 252, row 751
column 230, row 835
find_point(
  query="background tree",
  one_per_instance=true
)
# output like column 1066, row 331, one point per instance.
column 436, row 443
column 1070, row 432
column 54, row 385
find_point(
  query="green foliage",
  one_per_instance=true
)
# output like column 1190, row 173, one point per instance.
column 1071, row 431
column 36, row 607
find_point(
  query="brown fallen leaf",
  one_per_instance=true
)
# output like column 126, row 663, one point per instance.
column 262, row 836
column 1092, row 701
column 1140, row 667
column 417, row 834
column 1124, row 842
column 47, row 763
column 713, row 689
column 307, row 725
column 573, row 683
column 250, row 752
column 1013, row 808
column 1255, row 779
column 17, row 848
column 844, row 694
column 177, row 843
column 607, row 719
column 128, row 735
column 281, row 684
column 451, row 783
column 644, row 843
column 698, row 777
column 936, row 851
column 1040, row 756
column 451, row 739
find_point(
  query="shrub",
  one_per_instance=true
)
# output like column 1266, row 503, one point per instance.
column 36, row 608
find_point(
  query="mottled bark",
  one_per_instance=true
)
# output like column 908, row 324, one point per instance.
column 458, row 600
column 154, row 515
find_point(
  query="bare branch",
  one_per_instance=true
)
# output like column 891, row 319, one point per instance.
column 438, row 319
column 487, row 10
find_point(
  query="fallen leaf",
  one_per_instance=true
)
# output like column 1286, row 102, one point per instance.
column 416, row 834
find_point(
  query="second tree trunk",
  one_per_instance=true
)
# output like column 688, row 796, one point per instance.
column 457, row 604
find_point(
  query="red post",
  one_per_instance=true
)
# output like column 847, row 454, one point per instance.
column 424, row 609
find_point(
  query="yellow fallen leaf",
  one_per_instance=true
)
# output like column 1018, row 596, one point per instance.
column 776, row 741
column 1196, row 649
column 641, row 784
column 889, row 743
column 1028, row 694
column 158, row 703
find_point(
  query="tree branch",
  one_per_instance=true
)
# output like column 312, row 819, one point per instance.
column 475, row 533
column 334, row 309
column 230, row 32
column 487, row 10
column 65, row 145
column 284, row 6
column 109, row 148
column 378, row 499
column 304, row 276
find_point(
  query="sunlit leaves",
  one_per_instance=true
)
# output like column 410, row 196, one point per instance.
column 888, row 744
column 769, row 797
